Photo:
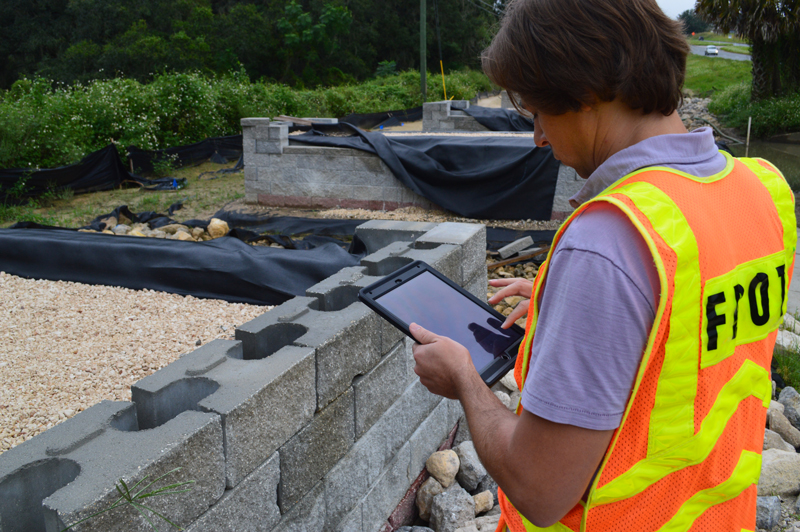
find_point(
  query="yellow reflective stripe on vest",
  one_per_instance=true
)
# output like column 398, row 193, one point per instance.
column 750, row 380
column 672, row 417
column 744, row 475
column 742, row 306
column 783, row 198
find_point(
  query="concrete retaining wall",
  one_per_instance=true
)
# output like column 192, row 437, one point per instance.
column 448, row 116
column 312, row 419
column 281, row 174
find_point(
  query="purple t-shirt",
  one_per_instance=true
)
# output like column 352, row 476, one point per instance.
column 599, row 303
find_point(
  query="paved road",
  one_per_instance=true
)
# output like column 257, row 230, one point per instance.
column 701, row 50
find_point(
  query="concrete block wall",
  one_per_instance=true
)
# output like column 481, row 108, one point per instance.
column 282, row 174
column 312, row 419
column 448, row 116
column 505, row 100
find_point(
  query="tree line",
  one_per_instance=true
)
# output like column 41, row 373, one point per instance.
column 302, row 43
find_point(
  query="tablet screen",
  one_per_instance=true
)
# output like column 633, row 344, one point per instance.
column 428, row 301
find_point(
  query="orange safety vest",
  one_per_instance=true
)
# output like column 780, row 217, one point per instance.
column 687, row 453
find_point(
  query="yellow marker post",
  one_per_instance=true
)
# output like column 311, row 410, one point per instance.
column 444, row 88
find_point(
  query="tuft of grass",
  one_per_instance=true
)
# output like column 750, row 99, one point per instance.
column 707, row 76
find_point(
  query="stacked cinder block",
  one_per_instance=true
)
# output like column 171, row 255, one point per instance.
column 312, row 419
column 448, row 116
column 285, row 174
column 505, row 101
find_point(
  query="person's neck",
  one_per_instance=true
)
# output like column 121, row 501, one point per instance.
column 620, row 127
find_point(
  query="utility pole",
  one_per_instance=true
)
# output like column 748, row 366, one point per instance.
column 423, row 44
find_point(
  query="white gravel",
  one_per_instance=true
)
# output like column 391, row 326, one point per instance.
column 66, row 346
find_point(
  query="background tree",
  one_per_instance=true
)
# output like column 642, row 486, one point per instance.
column 771, row 27
column 692, row 23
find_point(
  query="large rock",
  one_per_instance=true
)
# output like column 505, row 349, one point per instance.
column 791, row 324
column 790, row 400
column 484, row 501
column 488, row 484
column 443, row 466
column 773, row 440
column 787, row 340
column 780, row 474
column 777, row 422
column 510, row 382
column 217, row 228
column 768, row 512
column 471, row 470
column 452, row 509
column 425, row 494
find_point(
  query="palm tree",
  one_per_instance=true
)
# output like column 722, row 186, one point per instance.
column 769, row 25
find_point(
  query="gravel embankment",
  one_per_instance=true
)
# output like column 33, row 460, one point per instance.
column 66, row 346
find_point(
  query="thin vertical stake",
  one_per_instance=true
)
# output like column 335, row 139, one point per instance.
column 747, row 146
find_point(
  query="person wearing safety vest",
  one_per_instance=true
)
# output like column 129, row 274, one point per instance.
column 645, row 368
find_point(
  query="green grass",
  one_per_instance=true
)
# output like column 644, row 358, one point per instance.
column 706, row 76
column 745, row 50
column 201, row 198
column 714, row 37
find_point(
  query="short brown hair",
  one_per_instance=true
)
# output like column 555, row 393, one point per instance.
column 557, row 55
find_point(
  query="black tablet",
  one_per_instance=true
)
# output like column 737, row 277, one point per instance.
column 417, row 293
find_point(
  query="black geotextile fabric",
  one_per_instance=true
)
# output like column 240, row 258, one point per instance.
column 224, row 268
column 498, row 119
column 372, row 120
column 100, row 170
column 501, row 178
column 219, row 149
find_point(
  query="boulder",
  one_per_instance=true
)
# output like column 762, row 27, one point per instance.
column 217, row 228
column 777, row 422
column 121, row 229
column 790, row 400
column 452, row 509
column 443, row 466
column 787, row 340
column 484, row 501
column 768, row 512
column 773, row 440
column 510, row 382
column 171, row 229
column 471, row 470
column 488, row 484
column 425, row 494
column 791, row 324
column 780, row 473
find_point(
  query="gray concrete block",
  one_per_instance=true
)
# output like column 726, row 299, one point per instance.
column 444, row 258
column 252, row 505
column 347, row 344
column 369, row 163
column 375, row 193
column 568, row 183
column 515, row 247
column 470, row 237
column 347, row 340
column 308, row 515
column 273, row 330
column 271, row 146
column 324, row 162
column 252, row 122
column 250, row 173
column 379, row 233
column 313, row 451
column 378, row 389
column 70, row 471
column 360, row 468
column 262, row 402
column 478, row 285
column 387, row 492
column 278, row 131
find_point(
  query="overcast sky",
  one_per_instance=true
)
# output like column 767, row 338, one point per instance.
column 673, row 8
